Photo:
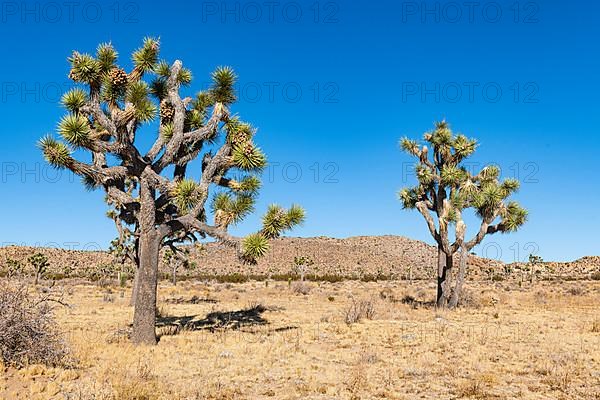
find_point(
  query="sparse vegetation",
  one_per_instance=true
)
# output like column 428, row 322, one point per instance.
column 28, row 331
column 358, row 310
column 14, row 268
column 302, row 265
column 40, row 264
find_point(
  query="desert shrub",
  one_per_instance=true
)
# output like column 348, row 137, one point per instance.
column 497, row 278
column 108, row 296
column 595, row 276
column 596, row 326
column 408, row 299
column 14, row 268
column 469, row 299
column 358, row 310
column 28, row 331
column 331, row 278
column 232, row 278
column 575, row 291
column 387, row 294
column 300, row 288
column 103, row 274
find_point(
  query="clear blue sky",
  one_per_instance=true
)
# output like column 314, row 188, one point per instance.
column 332, row 86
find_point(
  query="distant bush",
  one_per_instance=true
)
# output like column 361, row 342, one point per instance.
column 14, row 268
column 575, row 291
column 300, row 288
column 595, row 276
column 358, row 310
column 469, row 299
column 28, row 331
column 387, row 294
column 232, row 278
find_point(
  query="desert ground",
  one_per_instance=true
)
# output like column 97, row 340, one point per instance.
column 342, row 340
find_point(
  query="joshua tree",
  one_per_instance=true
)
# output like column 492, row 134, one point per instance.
column 151, row 191
column 533, row 263
column 175, row 258
column 40, row 263
column 445, row 190
column 301, row 265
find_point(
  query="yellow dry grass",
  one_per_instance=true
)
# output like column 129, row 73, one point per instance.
column 535, row 342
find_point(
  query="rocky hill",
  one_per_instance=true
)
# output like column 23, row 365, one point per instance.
column 358, row 257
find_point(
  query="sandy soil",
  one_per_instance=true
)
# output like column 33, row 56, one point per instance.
column 540, row 341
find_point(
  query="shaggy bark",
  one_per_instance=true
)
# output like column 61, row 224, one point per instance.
column 144, row 318
column 460, row 278
column 444, row 278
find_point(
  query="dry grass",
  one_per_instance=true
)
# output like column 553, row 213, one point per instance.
column 28, row 331
column 512, row 346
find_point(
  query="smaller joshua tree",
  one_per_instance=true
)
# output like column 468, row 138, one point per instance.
column 301, row 266
column 40, row 264
column 174, row 258
column 445, row 190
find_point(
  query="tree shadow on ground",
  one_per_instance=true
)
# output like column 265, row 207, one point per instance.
column 216, row 321
column 414, row 303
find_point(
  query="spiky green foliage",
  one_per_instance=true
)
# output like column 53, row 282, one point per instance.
column 56, row 153
column 248, row 157
column 513, row 217
column 163, row 69
column 409, row 197
column 75, row 129
column 185, row 195
column 234, row 207
column 184, row 77
column 238, row 132
column 255, row 246
column 84, row 68
column 443, row 175
column 452, row 175
column 464, row 147
column 409, row 146
column 158, row 88
column 74, row 99
column 106, row 56
column 223, row 90
column 277, row 220
column 166, row 131
column 146, row 57
column 89, row 183
column 248, row 185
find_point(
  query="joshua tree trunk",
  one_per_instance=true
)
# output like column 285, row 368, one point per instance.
column 444, row 267
column 144, row 318
column 136, row 275
column 37, row 277
column 460, row 279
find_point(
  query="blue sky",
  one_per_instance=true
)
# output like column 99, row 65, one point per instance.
column 332, row 86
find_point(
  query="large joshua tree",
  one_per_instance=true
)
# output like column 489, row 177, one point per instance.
column 157, row 202
column 445, row 189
